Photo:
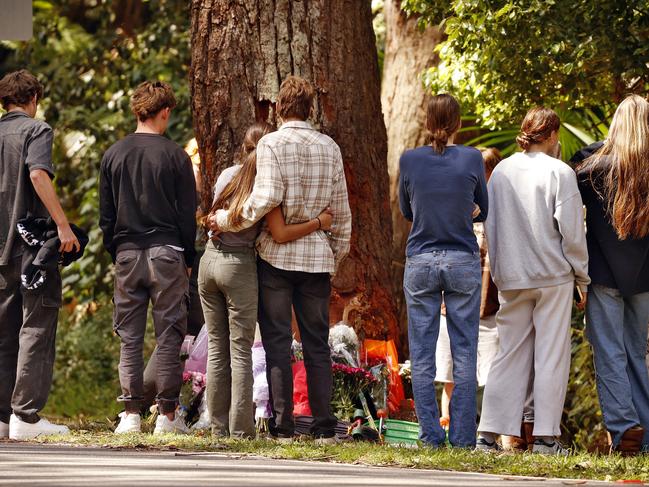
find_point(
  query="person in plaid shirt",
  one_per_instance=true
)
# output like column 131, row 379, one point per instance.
column 300, row 169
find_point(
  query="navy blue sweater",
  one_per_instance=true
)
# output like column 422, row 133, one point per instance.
column 437, row 193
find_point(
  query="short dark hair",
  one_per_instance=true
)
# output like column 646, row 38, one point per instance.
column 295, row 98
column 18, row 88
column 150, row 97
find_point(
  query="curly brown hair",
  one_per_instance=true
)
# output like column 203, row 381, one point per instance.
column 150, row 97
column 18, row 88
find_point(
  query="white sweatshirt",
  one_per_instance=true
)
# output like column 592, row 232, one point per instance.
column 535, row 227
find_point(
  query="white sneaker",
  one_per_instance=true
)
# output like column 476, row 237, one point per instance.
column 20, row 430
column 163, row 425
column 129, row 423
column 4, row 430
column 554, row 448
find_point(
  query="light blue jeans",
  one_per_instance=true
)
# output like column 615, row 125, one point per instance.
column 617, row 330
column 457, row 275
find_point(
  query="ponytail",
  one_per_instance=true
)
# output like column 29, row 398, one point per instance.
column 442, row 120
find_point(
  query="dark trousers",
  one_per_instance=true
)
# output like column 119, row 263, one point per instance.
column 158, row 275
column 195, row 321
column 308, row 294
column 28, row 320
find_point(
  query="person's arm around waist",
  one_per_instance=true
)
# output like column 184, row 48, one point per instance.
column 282, row 233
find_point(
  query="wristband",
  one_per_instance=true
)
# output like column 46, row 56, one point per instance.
column 319, row 222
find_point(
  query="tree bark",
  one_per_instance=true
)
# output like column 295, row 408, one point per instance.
column 241, row 52
column 408, row 52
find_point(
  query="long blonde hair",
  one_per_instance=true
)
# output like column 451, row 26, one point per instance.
column 623, row 162
column 236, row 192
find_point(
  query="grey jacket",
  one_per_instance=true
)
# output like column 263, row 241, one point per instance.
column 25, row 145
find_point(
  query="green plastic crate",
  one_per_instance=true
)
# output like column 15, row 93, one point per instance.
column 401, row 432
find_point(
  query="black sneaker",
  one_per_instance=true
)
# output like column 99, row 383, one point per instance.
column 482, row 444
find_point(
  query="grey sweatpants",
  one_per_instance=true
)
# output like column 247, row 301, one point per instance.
column 158, row 275
column 534, row 331
column 28, row 320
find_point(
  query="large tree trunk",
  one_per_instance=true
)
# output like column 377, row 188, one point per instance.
column 408, row 52
column 241, row 52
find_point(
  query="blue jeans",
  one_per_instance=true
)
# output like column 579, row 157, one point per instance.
column 458, row 275
column 617, row 330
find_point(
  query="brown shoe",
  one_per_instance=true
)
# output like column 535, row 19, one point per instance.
column 630, row 443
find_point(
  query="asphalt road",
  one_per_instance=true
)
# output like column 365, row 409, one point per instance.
column 31, row 465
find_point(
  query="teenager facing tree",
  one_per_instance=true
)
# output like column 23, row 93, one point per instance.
column 147, row 215
column 538, row 252
column 28, row 318
column 614, row 185
column 229, row 291
column 300, row 169
column 440, row 187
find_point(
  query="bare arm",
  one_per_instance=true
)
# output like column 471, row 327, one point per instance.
column 282, row 233
column 45, row 191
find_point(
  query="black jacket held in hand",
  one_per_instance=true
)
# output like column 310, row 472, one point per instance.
column 614, row 263
column 42, row 244
column 147, row 195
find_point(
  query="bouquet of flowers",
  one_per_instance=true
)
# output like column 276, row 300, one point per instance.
column 349, row 383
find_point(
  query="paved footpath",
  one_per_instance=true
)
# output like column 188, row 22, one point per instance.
column 50, row 465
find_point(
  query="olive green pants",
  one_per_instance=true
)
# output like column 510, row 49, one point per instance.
column 227, row 284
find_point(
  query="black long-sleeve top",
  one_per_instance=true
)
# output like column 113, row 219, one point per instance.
column 147, row 195
column 614, row 263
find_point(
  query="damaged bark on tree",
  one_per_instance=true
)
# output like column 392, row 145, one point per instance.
column 241, row 51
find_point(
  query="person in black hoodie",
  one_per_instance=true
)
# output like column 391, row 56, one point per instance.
column 614, row 184
column 147, row 215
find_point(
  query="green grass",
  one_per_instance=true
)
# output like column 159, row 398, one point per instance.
column 580, row 466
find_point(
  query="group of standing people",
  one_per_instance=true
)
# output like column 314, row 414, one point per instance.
column 490, row 237
column 542, row 253
column 279, row 226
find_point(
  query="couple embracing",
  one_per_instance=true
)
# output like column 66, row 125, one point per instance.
column 288, row 200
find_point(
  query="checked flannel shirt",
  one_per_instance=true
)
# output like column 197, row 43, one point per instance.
column 300, row 169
